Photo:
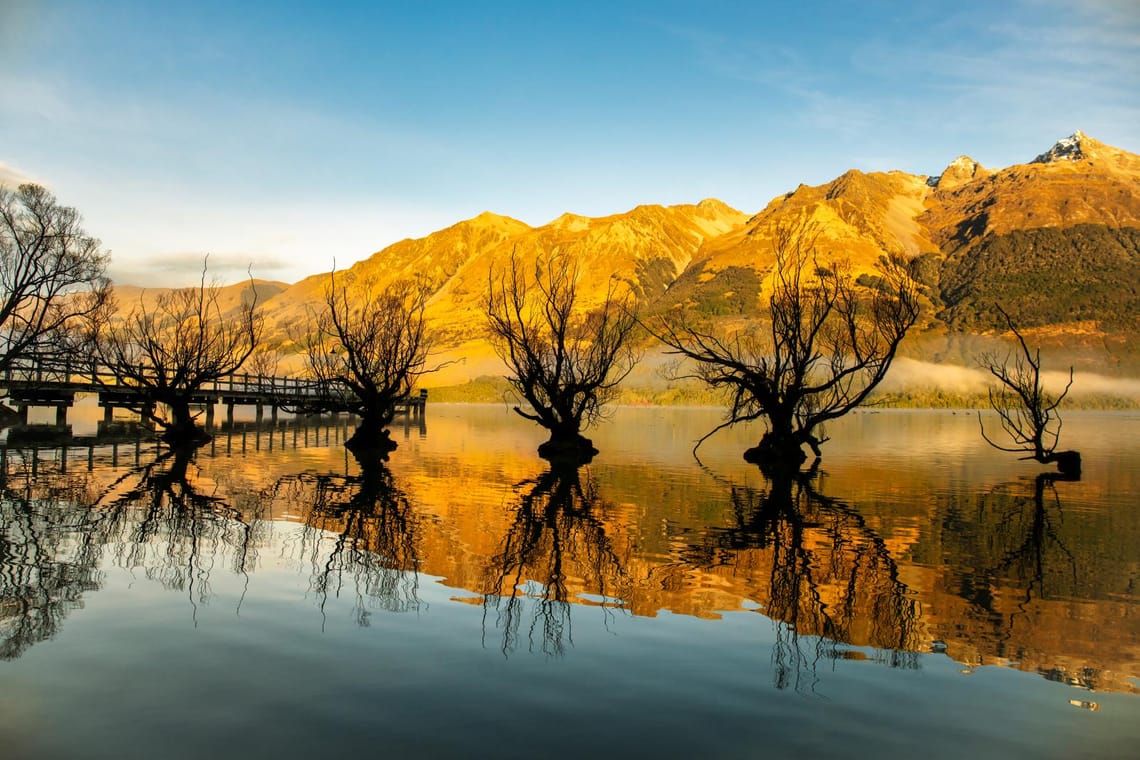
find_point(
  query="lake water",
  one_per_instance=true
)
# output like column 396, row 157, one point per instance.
column 920, row 595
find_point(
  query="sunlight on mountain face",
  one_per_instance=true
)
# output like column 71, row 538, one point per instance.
column 975, row 237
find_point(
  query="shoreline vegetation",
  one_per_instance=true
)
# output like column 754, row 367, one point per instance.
column 489, row 389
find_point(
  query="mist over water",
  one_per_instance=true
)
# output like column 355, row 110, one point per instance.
column 913, row 375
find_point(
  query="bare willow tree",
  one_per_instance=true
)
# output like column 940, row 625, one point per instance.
column 565, row 362
column 822, row 347
column 367, row 348
column 266, row 362
column 1027, row 412
column 164, row 352
column 51, row 274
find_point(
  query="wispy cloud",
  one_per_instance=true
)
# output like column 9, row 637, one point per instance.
column 164, row 241
column 1047, row 65
column 33, row 101
column 11, row 177
column 971, row 77
column 231, row 139
column 275, row 184
column 911, row 374
column 182, row 268
column 800, row 84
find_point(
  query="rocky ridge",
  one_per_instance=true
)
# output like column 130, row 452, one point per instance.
column 1056, row 241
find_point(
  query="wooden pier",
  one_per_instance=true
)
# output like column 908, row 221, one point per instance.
column 28, row 384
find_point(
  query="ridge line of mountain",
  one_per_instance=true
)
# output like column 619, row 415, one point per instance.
column 1055, row 242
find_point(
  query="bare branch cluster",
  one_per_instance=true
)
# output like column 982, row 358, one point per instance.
column 1027, row 412
column 51, row 273
column 565, row 362
column 373, row 342
column 167, row 350
column 825, row 344
column 266, row 362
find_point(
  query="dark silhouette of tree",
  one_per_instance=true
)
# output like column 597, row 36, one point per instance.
column 51, row 275
column 164, row 353
column 823, row 346
column 808, row 543
column 266, row 362
column 367, row 349
column 554, row 534
column 1028, row 413
column 565, row 360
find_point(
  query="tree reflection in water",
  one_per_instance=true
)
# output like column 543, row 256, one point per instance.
column 56, row 529
column 1026, row 533
column 45, row 563
column 1019, row 534
column 820, row 572
column 174, row 531
column 375, row 534
column 555, row 533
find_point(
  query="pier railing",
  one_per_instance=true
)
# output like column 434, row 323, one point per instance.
column 55, row 382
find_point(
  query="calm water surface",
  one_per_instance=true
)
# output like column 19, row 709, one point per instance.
column 921, row 594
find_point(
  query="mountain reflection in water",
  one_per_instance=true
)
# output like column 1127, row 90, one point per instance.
column 870, row 558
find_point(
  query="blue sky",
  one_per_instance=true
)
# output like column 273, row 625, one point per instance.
column 287, row 135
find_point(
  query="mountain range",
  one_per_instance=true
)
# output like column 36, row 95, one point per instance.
column 1055, row 242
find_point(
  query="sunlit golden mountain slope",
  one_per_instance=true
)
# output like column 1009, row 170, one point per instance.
column 230, row 297
column 1078, row 181
column 1055, row 242
column 646, row 248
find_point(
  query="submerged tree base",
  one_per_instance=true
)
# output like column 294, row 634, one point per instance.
column 572, row 450
column 781, row 452
column 184, row 436
column 371, row 440
column 1068, row 463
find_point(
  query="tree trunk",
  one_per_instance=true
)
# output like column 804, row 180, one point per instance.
column 181, row 429
column 1068, row 462
column 175, row 473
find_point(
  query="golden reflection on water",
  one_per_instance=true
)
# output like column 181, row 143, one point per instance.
column 910, row 538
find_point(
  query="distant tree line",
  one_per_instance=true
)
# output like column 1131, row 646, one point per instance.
column 1019, row 275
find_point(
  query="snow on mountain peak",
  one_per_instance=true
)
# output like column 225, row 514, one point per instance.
column 1066, row 149
column 961, row 169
